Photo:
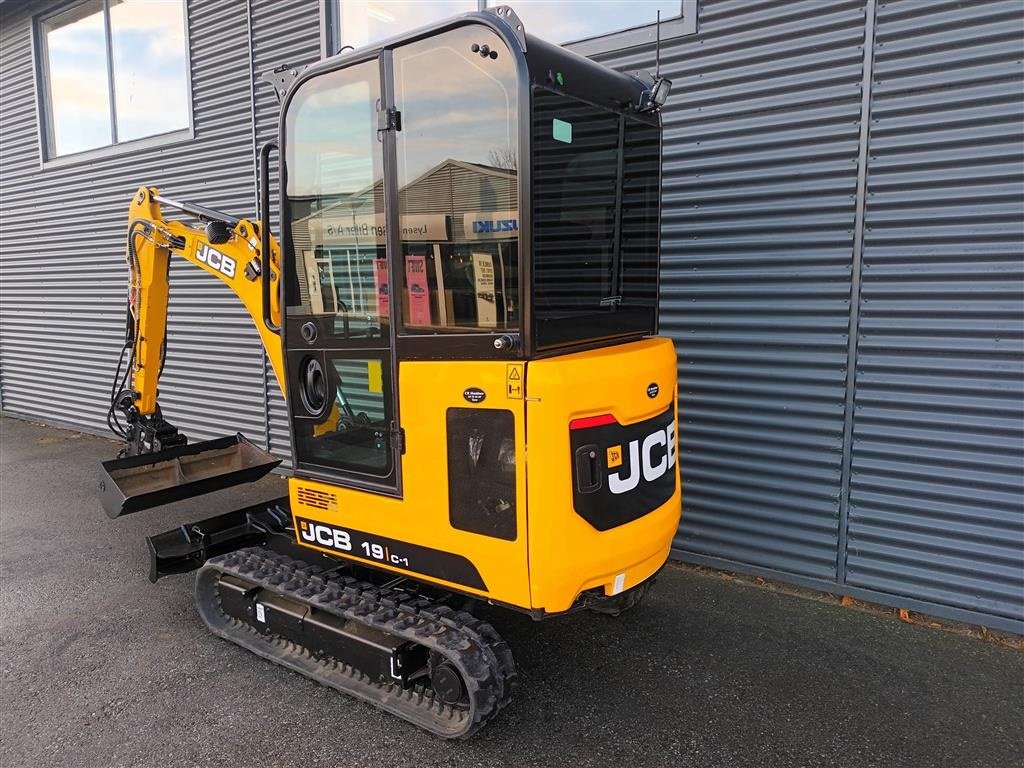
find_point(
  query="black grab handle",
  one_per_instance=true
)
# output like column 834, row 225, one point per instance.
column 264, row 174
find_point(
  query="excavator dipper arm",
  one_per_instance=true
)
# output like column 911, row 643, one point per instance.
column 225, row 247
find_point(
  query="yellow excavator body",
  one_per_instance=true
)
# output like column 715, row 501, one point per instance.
column 552, row 554
column 462, row 314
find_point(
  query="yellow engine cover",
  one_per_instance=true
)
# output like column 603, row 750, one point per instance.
column 596, row 497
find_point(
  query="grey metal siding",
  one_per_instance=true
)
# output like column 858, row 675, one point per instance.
column 61, row 236
column 62, row 244
column 763, row 140
column 913, row 497
column 283, row 33
column 760, row 171
column 938, row 474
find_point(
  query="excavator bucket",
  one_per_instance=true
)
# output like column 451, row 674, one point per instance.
column 140, row 482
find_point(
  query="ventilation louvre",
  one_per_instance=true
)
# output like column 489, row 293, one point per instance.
column 317, row 499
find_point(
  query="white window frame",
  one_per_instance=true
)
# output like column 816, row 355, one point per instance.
column 676, row 26
column 48, row 157
column 617, row 40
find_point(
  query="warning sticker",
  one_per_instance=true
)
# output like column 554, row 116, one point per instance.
column 614, row 456
column 514, row 381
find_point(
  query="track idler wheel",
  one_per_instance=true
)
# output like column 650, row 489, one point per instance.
column 447, row 683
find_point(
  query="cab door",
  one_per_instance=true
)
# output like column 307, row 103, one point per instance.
column 338, row 329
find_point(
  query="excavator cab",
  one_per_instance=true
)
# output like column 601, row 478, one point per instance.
column 470, row 253
column 462, row 314
column 454, row 197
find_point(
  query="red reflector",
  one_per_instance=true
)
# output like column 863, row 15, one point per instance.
column 592, row 421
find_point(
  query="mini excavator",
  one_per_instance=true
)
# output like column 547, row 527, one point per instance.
column 462, row 314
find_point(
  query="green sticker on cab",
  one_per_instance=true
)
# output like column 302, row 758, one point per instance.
column 561, row 131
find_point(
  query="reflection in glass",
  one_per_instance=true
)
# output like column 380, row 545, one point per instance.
column 150, row 77
column 564, row 22
column 640, row 213
column 79, row 100
column 458, row 182
column 366, row 21
column 575, row 170
column 335, row 204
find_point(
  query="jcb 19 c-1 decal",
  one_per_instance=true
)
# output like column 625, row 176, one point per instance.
column 621, row 473
column 382, row 550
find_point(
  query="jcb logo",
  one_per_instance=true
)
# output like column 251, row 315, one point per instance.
column 325, row 536
column 650, row 458
column 219, row 261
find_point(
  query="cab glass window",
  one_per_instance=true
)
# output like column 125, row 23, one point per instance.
column 350, row 430
column 458, row 195
column 337, row 273
column 595, row 216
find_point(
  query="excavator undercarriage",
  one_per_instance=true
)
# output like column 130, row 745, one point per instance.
column 407, row 653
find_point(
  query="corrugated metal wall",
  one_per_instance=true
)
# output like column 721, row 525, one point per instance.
column 938, row 476
column 62, row 239
column 62, row 273
column 759, row 181
column 763, row 251
column 829, row 166
column 283, row 33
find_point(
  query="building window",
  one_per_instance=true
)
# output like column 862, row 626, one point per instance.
column 590, row 27
column 568, row 22
column 113, row 71
column 367, row 21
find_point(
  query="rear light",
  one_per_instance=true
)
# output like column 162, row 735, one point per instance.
column 592, row 421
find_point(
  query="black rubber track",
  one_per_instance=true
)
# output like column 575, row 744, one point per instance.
column 472, row 645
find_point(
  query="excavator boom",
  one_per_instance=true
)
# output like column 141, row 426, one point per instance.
column 159, row 466
column 226, row 247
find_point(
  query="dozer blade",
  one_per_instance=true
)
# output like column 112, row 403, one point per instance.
column 140, row 482
column 188, row 546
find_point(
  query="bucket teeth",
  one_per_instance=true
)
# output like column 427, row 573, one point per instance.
column 472, row 646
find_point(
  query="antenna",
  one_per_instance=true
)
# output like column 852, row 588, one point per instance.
column 657, row 46
column 657, row 93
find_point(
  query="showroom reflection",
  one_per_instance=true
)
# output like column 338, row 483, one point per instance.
column 456, row 164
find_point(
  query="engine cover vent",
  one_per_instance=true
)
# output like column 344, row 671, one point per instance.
column 317, row 499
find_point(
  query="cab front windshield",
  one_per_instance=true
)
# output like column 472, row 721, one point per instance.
column 457, row 194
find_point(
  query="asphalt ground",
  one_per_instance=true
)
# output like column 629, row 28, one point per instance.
column 102, row 668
